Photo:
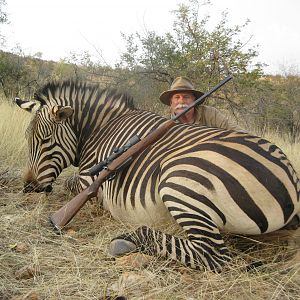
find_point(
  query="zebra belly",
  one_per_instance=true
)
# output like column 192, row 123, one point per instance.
column 152, row 214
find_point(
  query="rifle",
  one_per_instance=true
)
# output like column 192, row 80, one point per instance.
column 119, row 158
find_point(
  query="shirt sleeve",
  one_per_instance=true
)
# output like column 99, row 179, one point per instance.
column 212, row 117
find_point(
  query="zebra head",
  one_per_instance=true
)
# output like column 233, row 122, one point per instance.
column 51, row 143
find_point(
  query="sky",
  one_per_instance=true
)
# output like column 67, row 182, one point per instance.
column 57, row 28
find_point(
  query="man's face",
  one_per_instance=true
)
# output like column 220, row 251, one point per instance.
column 180, row 101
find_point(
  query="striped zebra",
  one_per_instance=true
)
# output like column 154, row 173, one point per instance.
column 64, row 119
column 206, row 180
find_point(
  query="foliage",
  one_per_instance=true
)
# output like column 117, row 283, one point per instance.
column 12, row 72
column 3, row 20
column 285, row 111
column 22, row 75
column 3, row 15
column 190, row 49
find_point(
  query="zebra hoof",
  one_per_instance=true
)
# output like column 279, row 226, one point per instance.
column 120, row 247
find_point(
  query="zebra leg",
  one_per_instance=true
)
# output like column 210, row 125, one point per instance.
column 204, row 247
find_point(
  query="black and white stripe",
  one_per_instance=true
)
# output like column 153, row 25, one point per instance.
column 206, row 180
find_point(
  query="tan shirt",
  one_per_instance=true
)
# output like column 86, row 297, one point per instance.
column 212, row 117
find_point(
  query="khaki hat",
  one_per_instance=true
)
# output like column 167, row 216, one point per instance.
column 180, row 84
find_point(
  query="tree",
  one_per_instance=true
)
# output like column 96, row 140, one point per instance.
column 22, row 75
column 285, row 111
column 190, row 49
column 3, row 15
column 12, row 72
column 3, row 19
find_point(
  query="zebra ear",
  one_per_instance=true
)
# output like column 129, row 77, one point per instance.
column 60, row 113
column 30, row 106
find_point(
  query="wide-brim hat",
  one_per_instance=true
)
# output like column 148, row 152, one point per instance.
column 180, row 84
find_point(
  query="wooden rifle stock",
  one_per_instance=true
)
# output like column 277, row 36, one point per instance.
column 65, row 214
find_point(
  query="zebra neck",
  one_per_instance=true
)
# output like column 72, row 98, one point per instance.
column 88, row 124
column 118, row 131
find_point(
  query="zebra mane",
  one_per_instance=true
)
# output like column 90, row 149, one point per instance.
column 69, row 91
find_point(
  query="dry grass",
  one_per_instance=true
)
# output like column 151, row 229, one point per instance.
column 13, row 123
column 37, row 262
column 291, row 150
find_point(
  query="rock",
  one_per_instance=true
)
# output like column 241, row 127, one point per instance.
column 119, row 247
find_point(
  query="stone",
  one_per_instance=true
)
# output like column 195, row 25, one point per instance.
column 119, row 247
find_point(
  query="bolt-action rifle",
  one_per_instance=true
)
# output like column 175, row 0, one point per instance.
column 119, row 158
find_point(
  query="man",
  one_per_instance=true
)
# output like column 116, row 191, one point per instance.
column 181, row 94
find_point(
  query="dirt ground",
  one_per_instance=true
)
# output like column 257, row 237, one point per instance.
column 37, row 263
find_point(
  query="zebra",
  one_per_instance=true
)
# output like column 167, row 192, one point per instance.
column 205, row 180
column 61, row 148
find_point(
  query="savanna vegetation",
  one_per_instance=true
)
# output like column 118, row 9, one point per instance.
column 37, row 263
